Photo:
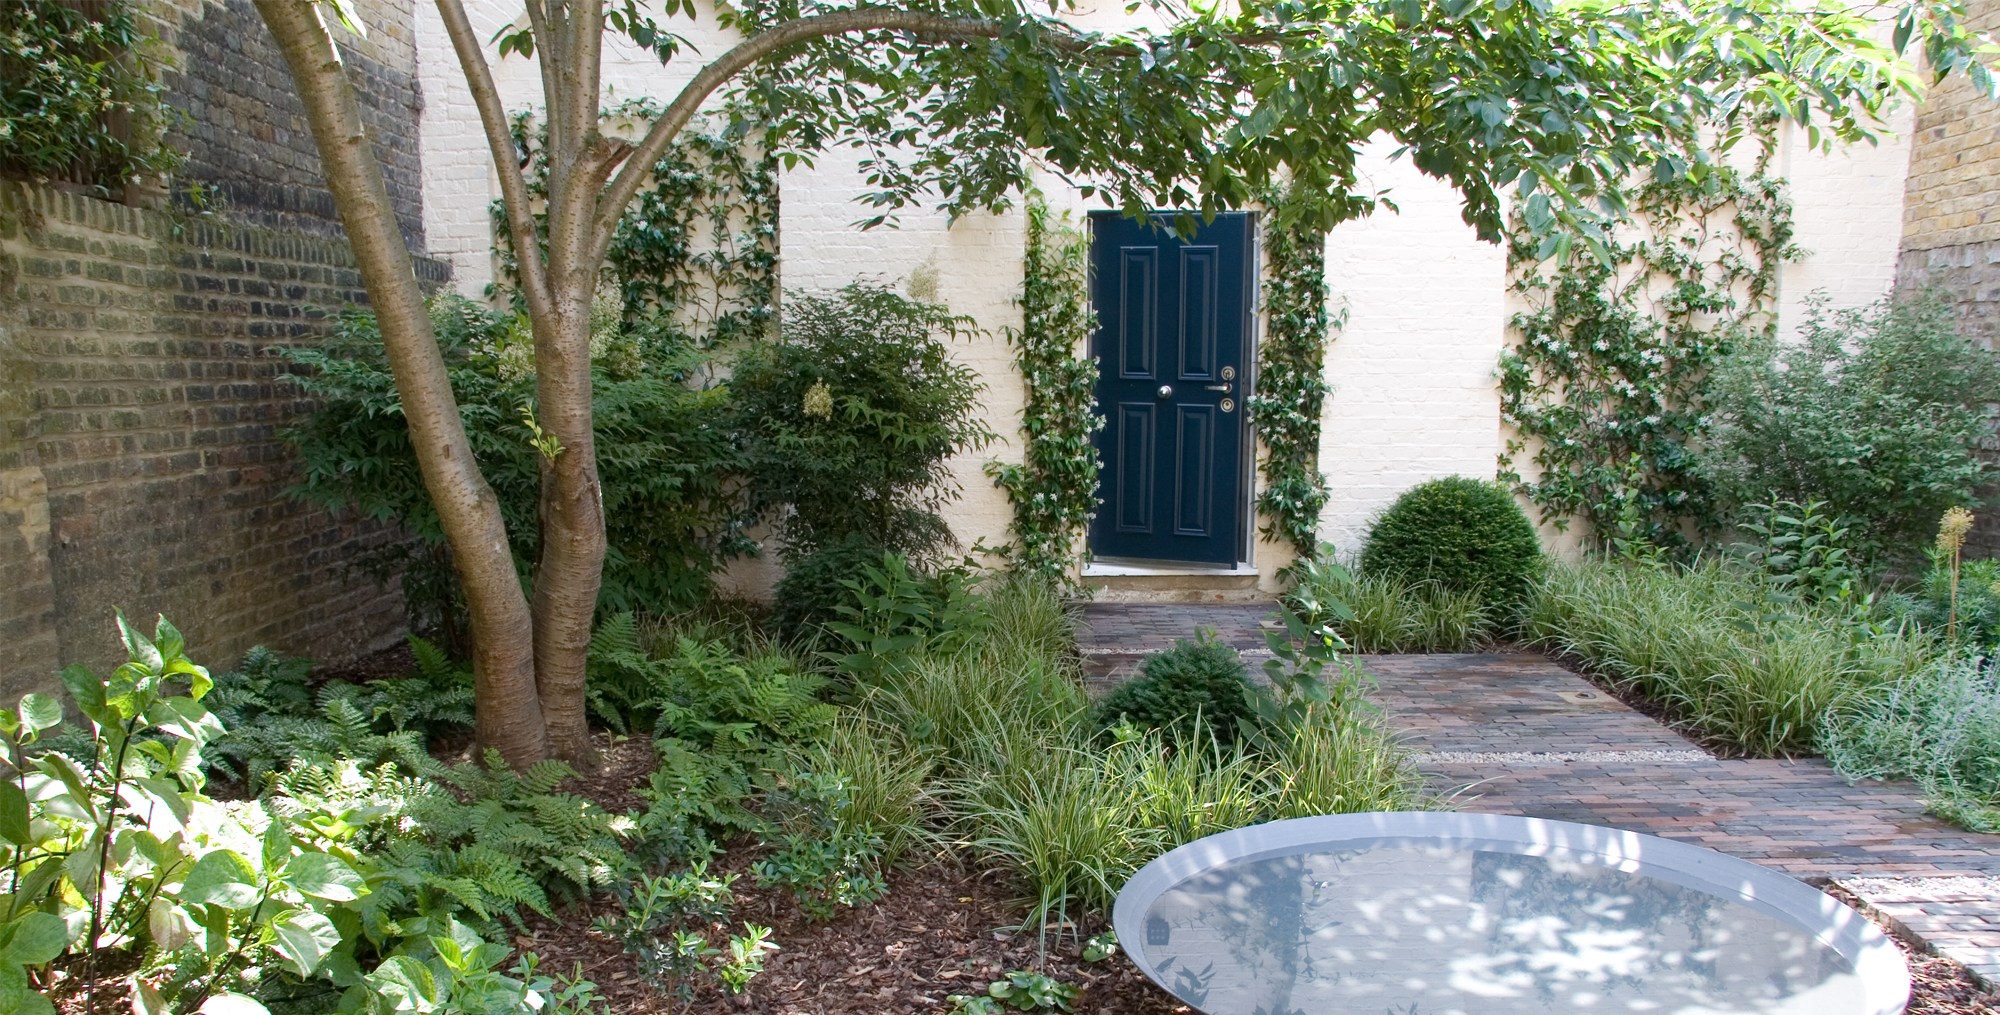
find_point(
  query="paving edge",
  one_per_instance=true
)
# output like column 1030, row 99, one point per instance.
column 1985, row 975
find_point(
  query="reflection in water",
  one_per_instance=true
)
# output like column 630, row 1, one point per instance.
column 1437, row 931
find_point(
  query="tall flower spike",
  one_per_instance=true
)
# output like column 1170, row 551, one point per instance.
column 1952, row 529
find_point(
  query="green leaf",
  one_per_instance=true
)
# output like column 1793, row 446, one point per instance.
column 14, row 814
column 405, row 983
column 222, row 877
column 17, row 997
column 140, row 648
column 277, row 846
column 168, row 793
column 325, row 876
column 305, row 938
column 168, row 638
column 348, row 16
column 146, row 999
column 86, row 688
column 35, row 938
column 232, row 1004
column 40, row 712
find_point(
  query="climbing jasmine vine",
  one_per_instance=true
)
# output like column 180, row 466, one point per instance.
column 1606, row 383
column 1054, row 488
column 1291, row 384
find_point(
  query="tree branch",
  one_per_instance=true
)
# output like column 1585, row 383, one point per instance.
column 611, row 206
column 506, row 159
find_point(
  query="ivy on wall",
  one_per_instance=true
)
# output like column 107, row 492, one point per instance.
column 1605, row 386
column 1291, row 385
column 698, row 249
column 79, row 96
column 1054, row 489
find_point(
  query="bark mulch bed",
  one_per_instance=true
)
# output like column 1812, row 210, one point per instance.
column 938, row 932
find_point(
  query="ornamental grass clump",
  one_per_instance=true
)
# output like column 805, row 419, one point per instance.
column 1023, row 776
column 1746, row 671
column 1467, row 535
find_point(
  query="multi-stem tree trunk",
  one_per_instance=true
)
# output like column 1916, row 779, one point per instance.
column 529, row 664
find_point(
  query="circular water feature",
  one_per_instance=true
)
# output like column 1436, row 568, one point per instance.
column 1488, row 914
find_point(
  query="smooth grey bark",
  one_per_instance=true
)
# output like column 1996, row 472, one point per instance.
column 509, row 713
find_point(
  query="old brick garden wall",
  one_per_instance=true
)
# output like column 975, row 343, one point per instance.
column 1951, row 219
column 1951, row 207
column 140, row 459
column 141, row 464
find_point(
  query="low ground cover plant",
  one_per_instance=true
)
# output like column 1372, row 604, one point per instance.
column 1387, row 612
column 1939, row 726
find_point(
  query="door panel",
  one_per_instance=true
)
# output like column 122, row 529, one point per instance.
column 1197, row 316
column 1133, row 467
column 1194, row 472
column 1138, row 287
column 1173, row 332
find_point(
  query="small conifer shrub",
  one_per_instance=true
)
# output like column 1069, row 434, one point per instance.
column 1468, row 535
column 1203, row 678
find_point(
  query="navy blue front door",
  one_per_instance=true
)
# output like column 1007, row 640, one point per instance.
column 1173, row 322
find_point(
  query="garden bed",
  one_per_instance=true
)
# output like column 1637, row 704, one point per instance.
column 941, row 930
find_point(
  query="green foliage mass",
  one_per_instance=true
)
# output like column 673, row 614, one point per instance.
column 1291, row 376
column 339, row 889
column 696, row 253
column 1195, row 685
column 1609, row 381
column 1878, row 412
column 1939, row 726
column 665, row 452
column 272, row 713
column 814, row 585
column 65, row 75
column 1976, row 606
column 1465, row 534
column 1054, row 489
column 851, row 418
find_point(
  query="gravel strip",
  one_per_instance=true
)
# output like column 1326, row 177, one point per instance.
column 1539, row 759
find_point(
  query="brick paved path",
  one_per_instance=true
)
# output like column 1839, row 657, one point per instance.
column 1514, row 733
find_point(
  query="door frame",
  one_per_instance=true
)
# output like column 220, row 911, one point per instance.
column 1246, row 514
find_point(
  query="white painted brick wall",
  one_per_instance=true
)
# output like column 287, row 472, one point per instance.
column 1848, row 208
column 459, row 182
column 1412, row 372
column 1414, row 393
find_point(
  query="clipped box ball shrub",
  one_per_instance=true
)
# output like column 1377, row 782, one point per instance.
column 1204, row 678
column 1467, row 535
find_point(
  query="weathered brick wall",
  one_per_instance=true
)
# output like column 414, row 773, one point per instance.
column 1951, row 208
column 140, row 460
column 1951, row 222
column 245, row 131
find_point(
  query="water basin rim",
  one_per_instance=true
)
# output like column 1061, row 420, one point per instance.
column 1884, row 975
